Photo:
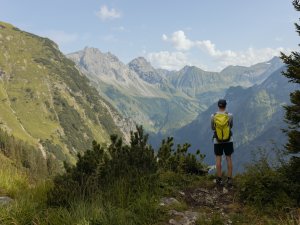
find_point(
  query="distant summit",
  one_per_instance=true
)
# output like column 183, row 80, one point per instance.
column 145, row 70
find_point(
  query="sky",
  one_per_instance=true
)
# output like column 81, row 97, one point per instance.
column 168, row 33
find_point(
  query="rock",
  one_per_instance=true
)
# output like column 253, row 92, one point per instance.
column 4, row 200
column 202, row 196
column 183, row 218
column 225, row 190
column 181, row 193
column 168, row 201
column 172, row 221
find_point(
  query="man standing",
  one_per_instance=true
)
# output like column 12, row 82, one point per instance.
column 221, row 124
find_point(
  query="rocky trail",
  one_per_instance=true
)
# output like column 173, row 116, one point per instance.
column 201, row 204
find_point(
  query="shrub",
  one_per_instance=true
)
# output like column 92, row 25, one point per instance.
column 180, row 160
column 265, row 187
column 101, row 170
column 291, row 172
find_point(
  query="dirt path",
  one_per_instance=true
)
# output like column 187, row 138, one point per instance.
column 202, row 204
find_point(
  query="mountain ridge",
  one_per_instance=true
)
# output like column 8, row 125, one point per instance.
column 186, row 92
column 146, row 101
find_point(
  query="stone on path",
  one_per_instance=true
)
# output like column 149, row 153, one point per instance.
column 183, row 218
column 168, row 201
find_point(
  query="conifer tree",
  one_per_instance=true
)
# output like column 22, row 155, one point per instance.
column 292, row 114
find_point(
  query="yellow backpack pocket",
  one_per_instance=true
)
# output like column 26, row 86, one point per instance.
column 222, row 127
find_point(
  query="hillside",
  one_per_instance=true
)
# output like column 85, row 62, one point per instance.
column 46, row 101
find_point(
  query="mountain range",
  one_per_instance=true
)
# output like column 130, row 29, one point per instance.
column 258, row 120
column 137, row 90
column 163, row 101
column 256, row 97
column 61, row 103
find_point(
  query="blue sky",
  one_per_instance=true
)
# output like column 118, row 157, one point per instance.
column 169, row 33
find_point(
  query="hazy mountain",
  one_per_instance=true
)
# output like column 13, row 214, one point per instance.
column 255, row 74
column 46, row 101
column 193, row 81
column 258, row 119
column 207, row 86
column 137, row 90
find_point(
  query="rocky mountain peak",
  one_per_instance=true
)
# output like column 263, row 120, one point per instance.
column 140, row 61
column 145, row 70
column 90, row 52
column 275, row 60
column 140, row 64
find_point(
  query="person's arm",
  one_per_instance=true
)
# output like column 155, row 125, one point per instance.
column 231, row 120
column 212, row 124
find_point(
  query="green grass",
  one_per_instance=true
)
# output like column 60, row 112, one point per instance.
column 29, row 206
column 12, row 179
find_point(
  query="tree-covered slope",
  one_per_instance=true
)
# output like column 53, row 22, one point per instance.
column 44, row 98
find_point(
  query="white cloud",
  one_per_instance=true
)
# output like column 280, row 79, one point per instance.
column 222, row 58
column 210, row 48
column 179, row 40
column 168, row 60
column 164, row 37
column 250, row 56
column 108, row 14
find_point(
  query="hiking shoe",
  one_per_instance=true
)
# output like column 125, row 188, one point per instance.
column 229, row 182
column 219, row 182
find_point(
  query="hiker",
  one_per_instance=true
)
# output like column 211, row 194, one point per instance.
column 221, row 124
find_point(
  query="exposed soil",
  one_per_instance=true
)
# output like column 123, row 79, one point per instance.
column 203, row 203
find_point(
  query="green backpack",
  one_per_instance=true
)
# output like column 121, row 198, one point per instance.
column 222, row 127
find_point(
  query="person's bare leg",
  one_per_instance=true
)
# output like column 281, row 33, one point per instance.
column 229, row 166
column 219, row 165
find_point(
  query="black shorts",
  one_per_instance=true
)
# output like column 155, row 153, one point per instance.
column 226, row 147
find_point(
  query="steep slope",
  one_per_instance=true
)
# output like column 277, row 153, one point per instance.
column 138, row 91
column 258, row 119
column 45, row 99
